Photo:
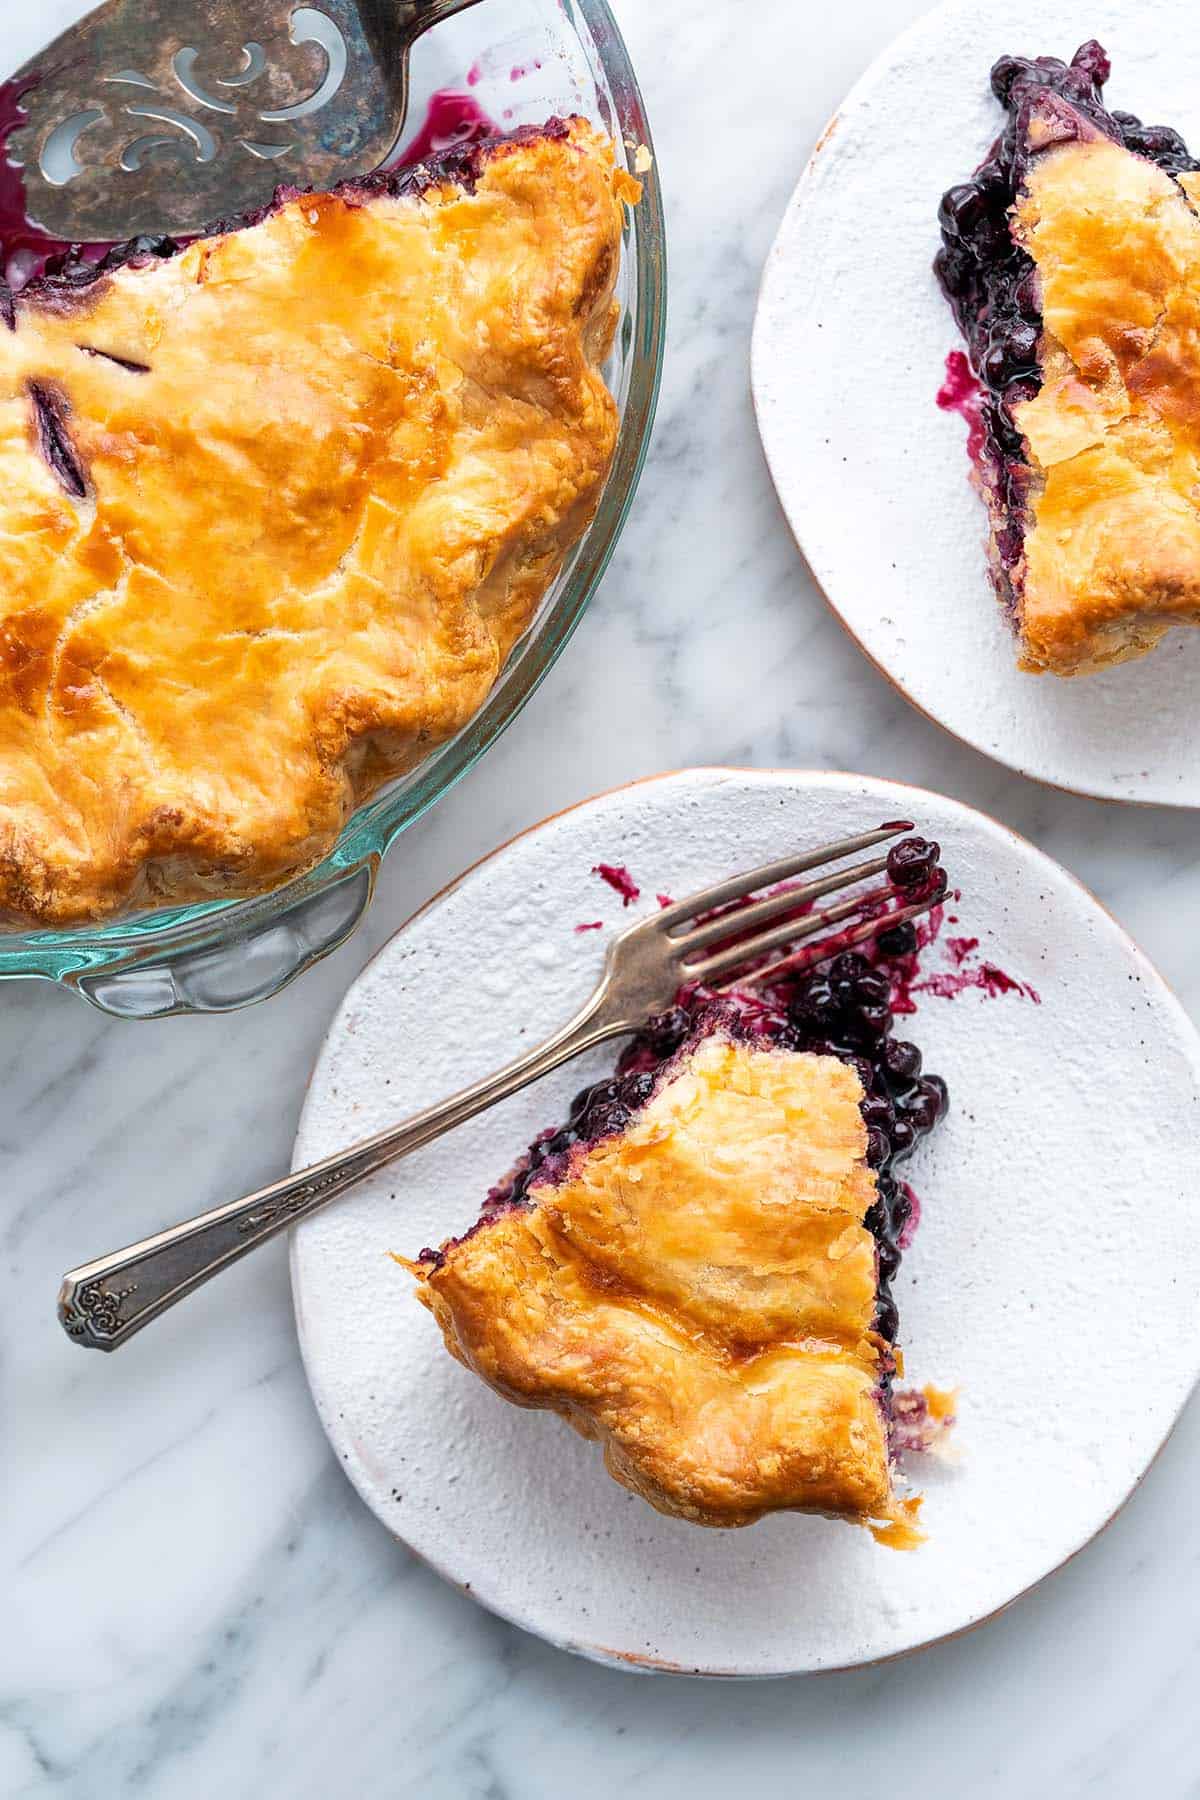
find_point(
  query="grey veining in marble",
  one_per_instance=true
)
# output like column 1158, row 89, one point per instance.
column 195, row 1603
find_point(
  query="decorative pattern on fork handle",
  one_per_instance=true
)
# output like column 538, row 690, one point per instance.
column 94, row 1312
column 163, row 1269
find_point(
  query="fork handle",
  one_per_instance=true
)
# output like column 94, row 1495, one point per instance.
column 103, row 1303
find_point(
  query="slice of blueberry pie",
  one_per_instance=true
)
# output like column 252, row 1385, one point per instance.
column 1071, row 259
column 275, row 506
column 696, row 1269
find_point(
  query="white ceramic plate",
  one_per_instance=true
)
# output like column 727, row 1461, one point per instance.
column 849, row 350
column 1053, row 1277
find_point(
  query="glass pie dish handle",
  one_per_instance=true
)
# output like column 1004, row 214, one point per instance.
column 104, row 1303
column 207, row 967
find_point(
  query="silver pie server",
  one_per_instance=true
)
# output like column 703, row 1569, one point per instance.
column 164, row 116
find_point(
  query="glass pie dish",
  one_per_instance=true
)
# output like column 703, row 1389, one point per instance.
column 519, row 62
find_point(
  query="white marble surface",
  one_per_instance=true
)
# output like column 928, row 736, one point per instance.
column 194, row 1601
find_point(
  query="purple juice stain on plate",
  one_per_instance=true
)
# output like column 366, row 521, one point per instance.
column 620, row 880
column 961, row 392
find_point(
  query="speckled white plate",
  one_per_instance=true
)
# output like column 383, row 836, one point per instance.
column 849, row 350
column 1054, row 1276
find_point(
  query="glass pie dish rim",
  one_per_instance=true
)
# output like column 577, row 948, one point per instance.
column 221, row 955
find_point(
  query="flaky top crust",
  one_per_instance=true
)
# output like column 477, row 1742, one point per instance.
column 1113, row 554
column 698, row 1294
column 273, row 512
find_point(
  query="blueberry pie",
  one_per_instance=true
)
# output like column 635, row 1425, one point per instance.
column 696, row 1270
column 1071, row 259
column 275, row 506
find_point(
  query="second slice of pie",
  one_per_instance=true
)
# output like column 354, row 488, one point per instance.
column 1071, row 259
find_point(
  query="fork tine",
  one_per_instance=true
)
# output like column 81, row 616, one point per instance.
column 735, row 924
column 792, row 931
column 737, row 887
column 810, row 957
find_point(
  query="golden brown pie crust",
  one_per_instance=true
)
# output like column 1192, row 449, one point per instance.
column 355, row 443
column 1112, row 557
column 698, row 1294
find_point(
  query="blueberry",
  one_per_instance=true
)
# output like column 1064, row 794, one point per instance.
column 911, row 863
column 1021, row 342
column 815, row 1004
column 902, row 1061
column 876, row 1218
column 1158, row 140
column 637, row 1089
column 1007, row 73
column 889, row 1258
column 962, row 210
column 873, row 989
column 1092, row 59
column 991, row 241
column 1027, row 295
column 878, row 1147
column 666, row 1031
column 994, row 365
column 137, row 250
column 1010, row 440
column 954, row 268
column 865, row 1071
column 995, row 184
column 898, row 940
column 605, row 1120
column 878, row 1110
column 929, row 1103
column 887, row 1319
column 872, row 1022
column 904, row 1136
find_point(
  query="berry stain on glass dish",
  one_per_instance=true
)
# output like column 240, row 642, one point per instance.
column 696, row 1267
column 1071, row 262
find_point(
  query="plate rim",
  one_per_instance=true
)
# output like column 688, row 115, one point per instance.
column 346, row 1454
column 774, row 259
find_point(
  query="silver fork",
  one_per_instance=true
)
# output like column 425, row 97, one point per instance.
column 105, row 1302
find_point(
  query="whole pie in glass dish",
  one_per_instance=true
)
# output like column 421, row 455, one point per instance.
column 276, row 505
column 1071, row 259
column 696, row 1269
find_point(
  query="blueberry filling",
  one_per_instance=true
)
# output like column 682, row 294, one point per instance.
column 841, row 1008
column 54, row 439
column 992, row 284
column 76, row 266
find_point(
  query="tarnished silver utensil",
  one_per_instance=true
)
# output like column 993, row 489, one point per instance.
column 104, row 1303
column 164, row 116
